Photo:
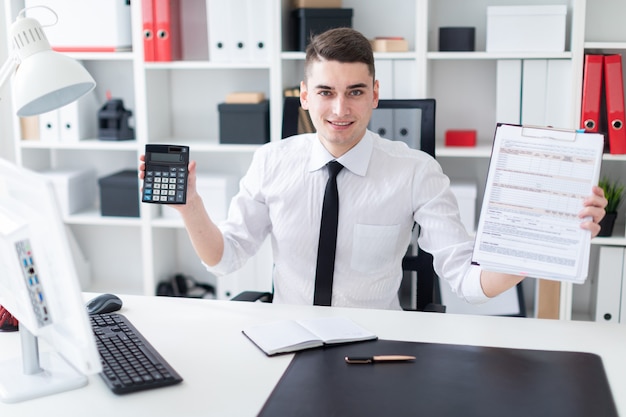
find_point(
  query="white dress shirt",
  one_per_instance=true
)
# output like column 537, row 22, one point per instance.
column 384, row 188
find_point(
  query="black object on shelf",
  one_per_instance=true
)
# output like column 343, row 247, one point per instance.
column 457, row 39
column 113, row 121
column 119, row 194
column 306, row 22
column 245, row 123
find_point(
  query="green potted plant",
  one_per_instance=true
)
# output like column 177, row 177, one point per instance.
column 613, row 191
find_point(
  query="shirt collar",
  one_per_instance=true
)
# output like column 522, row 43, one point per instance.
column 356, row 159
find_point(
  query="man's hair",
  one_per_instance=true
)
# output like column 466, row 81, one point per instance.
column 341, row 44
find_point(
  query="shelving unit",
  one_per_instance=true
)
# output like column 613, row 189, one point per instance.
column 176, row 102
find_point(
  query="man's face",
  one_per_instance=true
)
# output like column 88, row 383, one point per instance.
column 340, row 98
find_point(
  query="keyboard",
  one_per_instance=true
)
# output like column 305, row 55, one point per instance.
column 129, row 362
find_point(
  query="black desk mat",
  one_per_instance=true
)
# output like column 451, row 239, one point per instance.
column 444, row 381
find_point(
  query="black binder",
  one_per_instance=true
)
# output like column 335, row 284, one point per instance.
column 444, row 380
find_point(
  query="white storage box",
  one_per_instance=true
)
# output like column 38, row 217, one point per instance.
column 85, row 25
column 465, row 194
column 526, row 28
column 75, row 189
column 216, row 192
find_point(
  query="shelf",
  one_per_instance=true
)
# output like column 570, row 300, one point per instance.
column 609, row 241
column 101, row 56
column 497, row 55
column 205, row 65
column 94, row 218
column 605, row 45
column 87, row 145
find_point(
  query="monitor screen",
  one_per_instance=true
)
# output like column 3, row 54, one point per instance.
column 40, row 287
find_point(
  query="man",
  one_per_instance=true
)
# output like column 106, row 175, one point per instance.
column 384, row 188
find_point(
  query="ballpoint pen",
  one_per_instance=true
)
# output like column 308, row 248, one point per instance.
column 378, row 358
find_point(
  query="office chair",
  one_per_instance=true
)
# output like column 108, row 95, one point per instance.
column 413, row 122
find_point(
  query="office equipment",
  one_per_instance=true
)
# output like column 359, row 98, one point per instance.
column 444, row 380
column 86, row 26
column 292, row 335
column 526, row 28
column 529, row 222
column 308, row 22
column 104, row 303
column 165, row 180
column 147, row 21
column 389, row 44
column 119, row 194
column 244, row 123
column 614, row 90
column 534, row 77
column 259, row 35
column 49, row 126
column 460, row 137
column 167, row 39
column 113, row 121
column 129, row 362
column 592, row 91
column 76, row 120
column 229, row 390
column 559, row 94
column 39, row 286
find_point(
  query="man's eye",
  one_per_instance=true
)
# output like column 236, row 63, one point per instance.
column 356, row 92
column 324, row 93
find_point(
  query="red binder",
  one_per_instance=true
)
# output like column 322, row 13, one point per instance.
column 592, row 90
column 614, row 90
column 147, row 17
column 167, row 30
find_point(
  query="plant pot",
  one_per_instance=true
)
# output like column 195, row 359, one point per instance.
column 607, row 224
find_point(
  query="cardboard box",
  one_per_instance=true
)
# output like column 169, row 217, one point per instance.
column 526, row 28
column 119, row 194
column 465, row 194
column 216, row 192
column 75, row 189
column 244, row 123
column 306, row 22
column 389, row 45
column 298, row 4
column 86, row 25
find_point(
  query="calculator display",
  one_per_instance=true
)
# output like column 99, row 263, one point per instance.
column 165, row 177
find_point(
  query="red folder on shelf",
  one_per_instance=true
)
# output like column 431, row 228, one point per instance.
column 147, row 17
column 592, row 90
column 614, row 90
column 167, row 30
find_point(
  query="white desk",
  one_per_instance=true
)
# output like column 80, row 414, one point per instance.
column 226, row 375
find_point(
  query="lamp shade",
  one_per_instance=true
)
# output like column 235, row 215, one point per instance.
column 44, row 80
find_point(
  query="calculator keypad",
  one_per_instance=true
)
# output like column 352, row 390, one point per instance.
column 165, row 185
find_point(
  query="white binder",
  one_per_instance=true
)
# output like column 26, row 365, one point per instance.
column 534, row 78
column 508, row 90
column 259, row 15
column 49, row 126
column 218, row 26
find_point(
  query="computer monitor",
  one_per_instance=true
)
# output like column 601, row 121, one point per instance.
column 40, row 287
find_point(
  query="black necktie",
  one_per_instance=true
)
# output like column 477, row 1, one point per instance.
column 328, row 239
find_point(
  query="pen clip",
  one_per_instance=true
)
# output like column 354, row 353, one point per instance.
column 359, row 359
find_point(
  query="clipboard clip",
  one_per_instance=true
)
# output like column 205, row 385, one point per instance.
column 543, row 132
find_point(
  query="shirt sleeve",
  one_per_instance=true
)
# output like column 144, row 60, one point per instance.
column 248, row 222
column 443, row 235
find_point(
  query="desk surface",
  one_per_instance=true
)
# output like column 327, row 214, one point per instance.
column 226, row 375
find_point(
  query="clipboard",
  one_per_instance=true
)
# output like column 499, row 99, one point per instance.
column 537, row 179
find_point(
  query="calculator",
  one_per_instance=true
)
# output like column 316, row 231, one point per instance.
column 165, row 180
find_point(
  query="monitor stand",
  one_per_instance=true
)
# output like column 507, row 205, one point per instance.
column 36, row 376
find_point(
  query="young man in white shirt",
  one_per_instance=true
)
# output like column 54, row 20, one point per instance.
column 384, row 188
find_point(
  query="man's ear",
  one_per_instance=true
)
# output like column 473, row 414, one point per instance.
column 375, row 101
column 304, row 96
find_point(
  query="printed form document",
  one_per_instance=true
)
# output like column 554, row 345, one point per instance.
column 537, row 181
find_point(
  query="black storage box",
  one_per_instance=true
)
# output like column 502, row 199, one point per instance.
column 245, row 123
column 456, row 39
column 307, row 22
column 119, row 194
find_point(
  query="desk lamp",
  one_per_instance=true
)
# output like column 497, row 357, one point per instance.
column 43, row 79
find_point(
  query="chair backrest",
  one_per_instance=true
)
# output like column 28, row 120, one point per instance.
column 413, row 122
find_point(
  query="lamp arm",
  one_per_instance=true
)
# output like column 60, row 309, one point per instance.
column 7, row 69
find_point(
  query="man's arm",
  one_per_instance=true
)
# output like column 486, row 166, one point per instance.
column 494, row 283
column 205, row 236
